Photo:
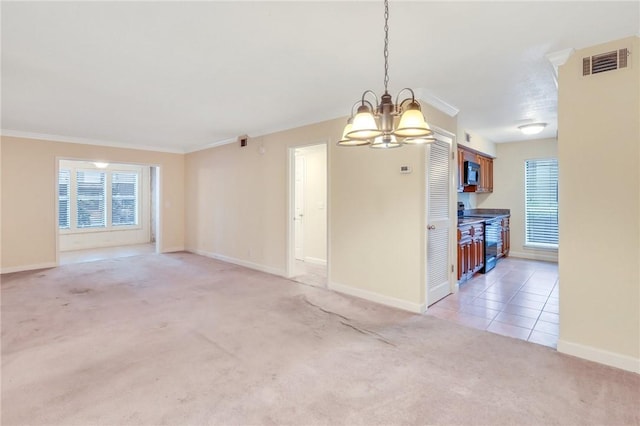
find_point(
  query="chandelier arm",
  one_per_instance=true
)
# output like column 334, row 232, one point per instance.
column 413, row 97
column 355, row 105
column 374, row 95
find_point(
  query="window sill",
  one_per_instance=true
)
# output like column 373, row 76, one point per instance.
column 98, row 230
column 541, row 247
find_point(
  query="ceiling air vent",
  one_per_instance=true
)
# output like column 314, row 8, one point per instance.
column 605, row 62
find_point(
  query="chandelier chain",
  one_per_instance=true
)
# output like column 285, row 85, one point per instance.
column 386, row 45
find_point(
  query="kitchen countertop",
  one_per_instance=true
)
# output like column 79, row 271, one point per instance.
column 480, row 215
column 470, row 220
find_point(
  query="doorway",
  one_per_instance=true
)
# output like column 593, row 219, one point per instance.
column 308, row 214
column 105, row 210
column 438, row 217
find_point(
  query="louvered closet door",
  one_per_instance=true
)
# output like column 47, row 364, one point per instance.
column 438, row 220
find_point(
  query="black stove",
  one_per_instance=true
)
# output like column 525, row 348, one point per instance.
column 492, row 237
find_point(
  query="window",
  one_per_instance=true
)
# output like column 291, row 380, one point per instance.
column 90, row 197
column 541, row 202
column 93, row 199
column 124, row 198
column 64, row 214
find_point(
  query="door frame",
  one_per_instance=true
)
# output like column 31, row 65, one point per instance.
column 290, row 209
column 449, row 138
column 154, row 205
column 298, row 225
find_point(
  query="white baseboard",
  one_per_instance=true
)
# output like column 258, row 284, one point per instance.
column 590, row 353
column 378, row 298
column 316, row 261
column 240, row 262
column 535, row 255
column 28, row 267
column 171, row 249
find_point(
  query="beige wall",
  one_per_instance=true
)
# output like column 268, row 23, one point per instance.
column 237, row 209
column 377, row 221
column 237, row 198
column 476, row 142
column 315, row 203
column 29, row 181
column 508, row 190
column 599, row 157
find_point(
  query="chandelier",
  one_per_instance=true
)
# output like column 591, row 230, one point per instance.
column 385, row 124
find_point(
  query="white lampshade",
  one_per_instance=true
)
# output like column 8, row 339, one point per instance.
column 419, row 140
column 412, row 123
column 364, row 125
column 385, row 142
column 345, row 141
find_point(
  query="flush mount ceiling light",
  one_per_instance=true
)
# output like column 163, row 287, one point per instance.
column 101, row 165
column 532, row 129
column 375, row 125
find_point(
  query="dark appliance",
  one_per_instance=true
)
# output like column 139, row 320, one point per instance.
column 492, row 243
column 471, row 173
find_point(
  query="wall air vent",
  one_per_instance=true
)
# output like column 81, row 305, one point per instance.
column 243, row 140
column 605, row 62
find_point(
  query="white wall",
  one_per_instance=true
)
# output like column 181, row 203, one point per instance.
column 599, row 158
column 315, row 203
column 116, row 236
column 470, row 199
column 508, row 190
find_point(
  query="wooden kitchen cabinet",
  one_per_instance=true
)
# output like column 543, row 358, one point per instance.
column 506, row 236
column 470, row 250
column 486, row 173
column 460, row 170
column 485, row 183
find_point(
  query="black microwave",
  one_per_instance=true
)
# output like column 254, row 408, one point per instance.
column 471, row 173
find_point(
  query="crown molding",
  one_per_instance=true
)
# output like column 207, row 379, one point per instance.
column 86, row 141
column 436, row 102
column 559, row 58
column 197, row 148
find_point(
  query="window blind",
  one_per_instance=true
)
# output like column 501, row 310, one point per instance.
column 124, row 198
column 90, row 198
column 64, row 182
column 541, row 202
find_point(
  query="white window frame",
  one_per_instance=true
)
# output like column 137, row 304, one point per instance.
column 536, row 244
column 75, row 166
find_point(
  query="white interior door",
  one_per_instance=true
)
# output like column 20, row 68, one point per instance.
column 299, row 207
column 438, row 221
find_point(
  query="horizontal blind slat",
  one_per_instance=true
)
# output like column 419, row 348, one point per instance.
column 90, row 199
column 124, row 198
column 541, row 201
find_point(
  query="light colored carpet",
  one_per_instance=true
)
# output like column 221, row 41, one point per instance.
column 181, row 339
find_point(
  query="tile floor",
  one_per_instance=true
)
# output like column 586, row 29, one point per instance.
column 519, row 298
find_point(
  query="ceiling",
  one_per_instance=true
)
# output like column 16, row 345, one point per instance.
column 177, row 76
